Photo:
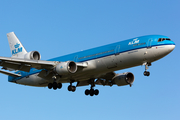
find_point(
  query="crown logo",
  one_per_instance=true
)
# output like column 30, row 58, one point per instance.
column 16, row 45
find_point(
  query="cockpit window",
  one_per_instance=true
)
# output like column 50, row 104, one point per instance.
column 162, row 39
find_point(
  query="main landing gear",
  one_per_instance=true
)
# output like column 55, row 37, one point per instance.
column 71, row 87
column 92, row 92
column 147, row 73
column 54, row 85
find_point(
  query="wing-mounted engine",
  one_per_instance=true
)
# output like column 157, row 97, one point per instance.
column 33, row 55
column 64, row 68
column 123, row 79
column 111, row 78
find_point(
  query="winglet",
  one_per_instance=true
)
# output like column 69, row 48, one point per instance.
column 16, row 47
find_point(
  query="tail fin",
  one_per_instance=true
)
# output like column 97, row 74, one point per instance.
column 16, row 47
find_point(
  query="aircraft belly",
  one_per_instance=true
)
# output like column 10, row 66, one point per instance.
column 32, row 80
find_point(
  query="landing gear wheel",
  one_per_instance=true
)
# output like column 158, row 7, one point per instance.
column 50, row 85
column 96, row 92
column 55, row 85
column 71, row 88
column 146, row 73
column 87, row 92
column 91, row 92
column 59, row 85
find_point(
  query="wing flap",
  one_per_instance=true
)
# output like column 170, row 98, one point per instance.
column 10, row 74
column 15, row 66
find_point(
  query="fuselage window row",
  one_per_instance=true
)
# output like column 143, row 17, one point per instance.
column 96, row 54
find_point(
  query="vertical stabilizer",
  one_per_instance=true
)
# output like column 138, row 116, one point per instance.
column 16, row 47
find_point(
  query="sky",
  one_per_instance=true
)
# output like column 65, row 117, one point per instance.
column 59, row 27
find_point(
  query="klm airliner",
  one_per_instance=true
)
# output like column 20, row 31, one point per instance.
column 89, row 67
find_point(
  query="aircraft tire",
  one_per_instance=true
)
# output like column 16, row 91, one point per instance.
column 87, row 92
column 73, row 88
column 146, row 73
column 69, row 88
column 59, row 85
column 50, row 85
column 55, row 85
column 91, row 92
column 96, row 92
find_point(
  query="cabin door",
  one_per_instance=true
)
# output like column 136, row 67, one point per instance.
column 149, row 52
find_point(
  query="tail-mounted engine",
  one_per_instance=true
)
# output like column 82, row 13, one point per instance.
column 64, row 68
column 123, row 79
column 33, row 55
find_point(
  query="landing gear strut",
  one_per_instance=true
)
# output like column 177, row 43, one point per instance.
column 92, row 92
column 147, row 73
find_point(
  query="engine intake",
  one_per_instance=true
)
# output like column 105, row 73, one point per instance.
column 33, row 55
column 64, row 68
column 124, row 79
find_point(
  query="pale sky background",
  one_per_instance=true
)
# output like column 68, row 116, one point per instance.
column 60, row 27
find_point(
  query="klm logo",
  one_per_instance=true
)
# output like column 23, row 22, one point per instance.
column 135, row 41
column 17, row 49
column 16, row 45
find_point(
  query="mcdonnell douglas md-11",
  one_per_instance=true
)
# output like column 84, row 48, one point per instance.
column 92, row 67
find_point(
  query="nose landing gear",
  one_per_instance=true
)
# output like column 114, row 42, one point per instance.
column 146, row 73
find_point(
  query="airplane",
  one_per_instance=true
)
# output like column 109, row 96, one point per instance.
column 92, row 67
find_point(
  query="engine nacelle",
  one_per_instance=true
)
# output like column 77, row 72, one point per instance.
column 33, row 55
column 64, row 68
column 124, row 79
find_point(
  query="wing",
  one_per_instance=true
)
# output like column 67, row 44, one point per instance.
column 25, row 65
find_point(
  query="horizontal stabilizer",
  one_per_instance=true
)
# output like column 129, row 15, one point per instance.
column 10, row 74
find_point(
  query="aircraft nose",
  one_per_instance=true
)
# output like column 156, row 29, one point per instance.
column 171, row 47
